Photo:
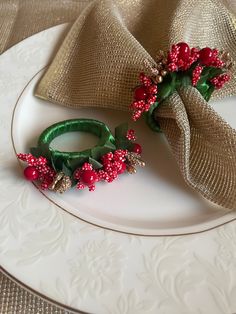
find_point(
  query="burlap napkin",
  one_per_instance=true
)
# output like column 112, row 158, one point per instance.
column 102, row 55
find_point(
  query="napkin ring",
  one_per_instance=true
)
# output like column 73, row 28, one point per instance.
column 59, row 171
column 206, row 69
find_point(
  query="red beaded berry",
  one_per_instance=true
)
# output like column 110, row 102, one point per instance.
column 196, row 74
column 89, row 177
column 172, row 67
column 140, row 93
column 131, row 135
column 184, row 51
column 137, row 149
column 219, row 81
column 31, row 173
column 122, row 168
column 144, row 96
column 206, row 56
column 92, row 188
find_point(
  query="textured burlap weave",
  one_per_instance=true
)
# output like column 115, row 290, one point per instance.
column 16, row 300
column 22, row 18
column 101, row 57
column 203, row 143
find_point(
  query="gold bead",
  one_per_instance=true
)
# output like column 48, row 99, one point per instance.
column 159, row 79
column 225, row 55
column 155, row 71
column 163, row 72
column 141, row 163
column 159, row 66
column 131, row 169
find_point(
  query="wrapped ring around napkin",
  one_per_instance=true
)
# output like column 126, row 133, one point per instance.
column 102, row 55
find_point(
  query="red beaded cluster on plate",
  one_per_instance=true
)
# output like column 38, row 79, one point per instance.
column 112, row 164
column 180, row 58
column 38, row 169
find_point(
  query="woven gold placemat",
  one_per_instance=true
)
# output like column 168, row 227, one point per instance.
column 16, row 300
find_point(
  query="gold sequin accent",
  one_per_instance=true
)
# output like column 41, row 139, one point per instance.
column 133, row 160
column 61, row 183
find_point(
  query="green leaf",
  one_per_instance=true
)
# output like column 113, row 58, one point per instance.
column 42, row 150
column 208, row 73
column 53, row 163
column 209, row 93
column 73, row 181
column 98, row 151
column 110, row 146
column 121, row 130
column 202, row 88
column 73, row 164
column 205, row 72
column 66, row 170
column 172, row 77
column 35, row 151
column 214, row 72
column 95, row 163
column 57, row 162
column 164, row 90
column 190, row 70
column 45, row 150
column 151, row 122
column 185, row 80
column 123, row 143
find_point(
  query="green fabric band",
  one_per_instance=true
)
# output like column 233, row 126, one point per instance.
column 95, row 127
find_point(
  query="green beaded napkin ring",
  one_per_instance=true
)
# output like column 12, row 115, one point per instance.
column 59, row 171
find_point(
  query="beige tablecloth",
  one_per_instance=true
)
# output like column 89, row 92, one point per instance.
column 20, row 19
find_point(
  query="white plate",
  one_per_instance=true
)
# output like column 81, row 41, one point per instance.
column 155, row 201
column 77, row 263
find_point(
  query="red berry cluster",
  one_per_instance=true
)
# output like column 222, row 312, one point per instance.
column 210, row 57
column 145, row 96
column 137, row 148
column 196, row 74
column 220, row 80
column 38, row 169
column 181, row 57
column 131, row 135
column 113, row 165
column 86, row 176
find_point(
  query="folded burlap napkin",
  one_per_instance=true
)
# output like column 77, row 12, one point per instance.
column 102, row 55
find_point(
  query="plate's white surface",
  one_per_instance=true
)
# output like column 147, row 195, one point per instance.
column 155, row 201
column 90, row 268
